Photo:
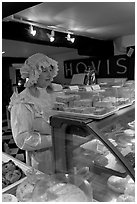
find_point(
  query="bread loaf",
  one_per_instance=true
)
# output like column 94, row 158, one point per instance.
column 59, row 106
column 25, row 189
column 59, row 192
column 125, row 198
column 103, row 104
column 83, row 103
column 129, row 133
column 67, row 98
column 117, row 184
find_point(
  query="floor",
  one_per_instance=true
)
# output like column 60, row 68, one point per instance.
column 9, row 146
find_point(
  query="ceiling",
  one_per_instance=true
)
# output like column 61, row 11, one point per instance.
column 97, row 20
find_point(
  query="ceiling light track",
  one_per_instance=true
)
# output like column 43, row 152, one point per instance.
column 33, row 31
column 29, row 22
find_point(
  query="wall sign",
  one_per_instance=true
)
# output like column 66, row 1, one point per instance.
column 118, row 66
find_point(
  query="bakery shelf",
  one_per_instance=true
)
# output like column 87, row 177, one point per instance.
column 67, row 148
column 90, row 115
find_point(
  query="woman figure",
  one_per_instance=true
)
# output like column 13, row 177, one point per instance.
column 30, row 110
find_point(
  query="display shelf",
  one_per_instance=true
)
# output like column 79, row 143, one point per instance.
column 67, row 149
column 24, row 167
column 89, row 115
column 61, row 123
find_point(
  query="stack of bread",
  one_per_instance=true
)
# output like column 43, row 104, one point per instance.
column 65, row 101
column 83, row 103
column 126, row 138
column 75, row 104
column 103, row 103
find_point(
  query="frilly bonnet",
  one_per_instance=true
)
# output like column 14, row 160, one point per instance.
column 34, row 65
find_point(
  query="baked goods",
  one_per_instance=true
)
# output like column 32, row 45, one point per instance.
column 132, row 125
column 84, row 110
column 65, row 101
column 101, row 160
column 74, row 110
column 59, row 106
column 6, row 197
column 100, row 111
column 8, row 166
column 110, row 99
column 10, row 173
column 83, row 103
column 124, row 141
column 58, row 192
column 124, row 186
column 103, row 104
column 13, row 176
column 118, row 167
column 117, row 184
column 88, row 110
column 25, row 189
column 45, row 188
column 129, row 133
column 129, row 179
column 125, row 198
column 131, row 158
column 122, row 101
column 67, row 98
column 5, row 182
column 130, row 189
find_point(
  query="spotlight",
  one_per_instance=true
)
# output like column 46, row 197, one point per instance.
column 51, row 36
column 32, row 31
column 20, row 82
column 52, row 39
column 69, row 38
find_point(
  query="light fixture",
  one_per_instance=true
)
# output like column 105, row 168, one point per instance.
column 69, row 38
column 38, row 25
column 32, row 31
column 20, row 82
column 51, row 36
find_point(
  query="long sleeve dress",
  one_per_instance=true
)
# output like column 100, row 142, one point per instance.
column 30, row 126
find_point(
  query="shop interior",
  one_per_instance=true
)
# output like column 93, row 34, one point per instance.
column 93, row 128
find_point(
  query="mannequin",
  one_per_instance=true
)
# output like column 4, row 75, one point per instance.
column 30, row 110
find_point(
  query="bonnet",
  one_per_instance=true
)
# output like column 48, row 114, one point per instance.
column 33, row 66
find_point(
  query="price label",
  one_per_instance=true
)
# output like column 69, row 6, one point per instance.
column 72, row 88
column 125, row 151
column 96, row 87
column 113, row 142
column 88, row 88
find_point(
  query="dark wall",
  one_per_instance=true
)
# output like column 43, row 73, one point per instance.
column 6, row 82
column 85, row 45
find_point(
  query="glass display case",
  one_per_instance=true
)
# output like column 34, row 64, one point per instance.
column 100, row 150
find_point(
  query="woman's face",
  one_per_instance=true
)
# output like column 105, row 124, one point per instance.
column 44, row 79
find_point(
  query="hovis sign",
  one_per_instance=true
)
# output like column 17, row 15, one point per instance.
column 120, row 66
